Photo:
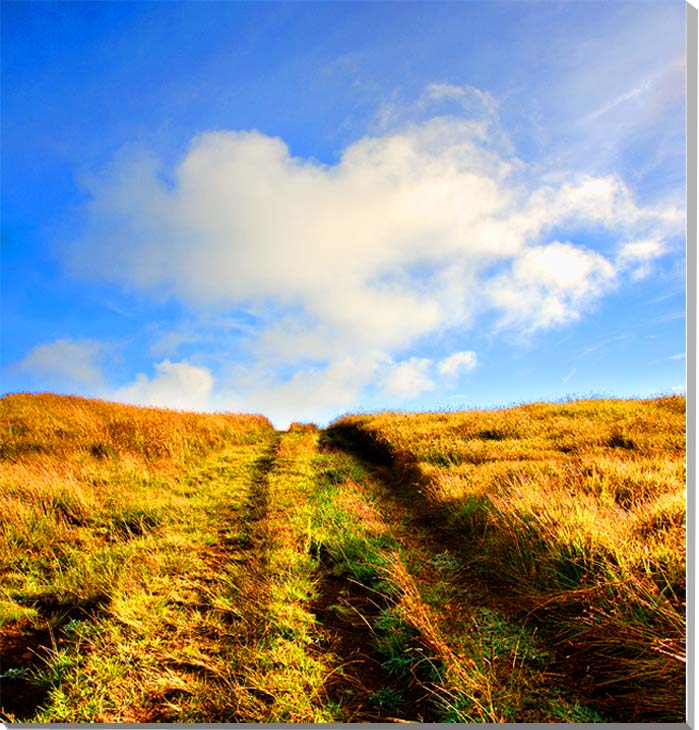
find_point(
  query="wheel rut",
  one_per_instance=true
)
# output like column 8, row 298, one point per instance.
column 347, row 613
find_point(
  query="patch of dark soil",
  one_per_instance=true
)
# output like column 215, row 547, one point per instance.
column 363, row 686
column 24, row 648
column 62, row 609
column 252, row 539
column 21, row 649
column 359, row 442
column 240, row 539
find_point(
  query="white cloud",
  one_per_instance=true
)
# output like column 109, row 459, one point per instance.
column 386, row 246
column 310, row 394
column 66, row 363
column 319, row 393
column 550, row 285
column 415, row 231
column 458, row 362
column 641, row 251
column 640, row 255
column 408, row 379
column 175, row 385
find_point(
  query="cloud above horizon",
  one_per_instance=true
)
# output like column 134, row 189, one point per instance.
column 425, row 228
column 65, row 362
column 175, row 384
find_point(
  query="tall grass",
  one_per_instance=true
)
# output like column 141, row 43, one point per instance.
column 77, row 428
column 95, row 506
column 579, row 508
column 170, row 564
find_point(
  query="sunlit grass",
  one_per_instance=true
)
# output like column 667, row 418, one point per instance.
column 110, row 541
column 580, row 509
column 518, row 565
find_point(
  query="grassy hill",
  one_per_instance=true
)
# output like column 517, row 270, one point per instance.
column 521, row 565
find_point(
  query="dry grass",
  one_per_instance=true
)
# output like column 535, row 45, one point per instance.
column 75, row 428
column 77, row 475
column 580, row 509
column 108, row 542
column 530, row 566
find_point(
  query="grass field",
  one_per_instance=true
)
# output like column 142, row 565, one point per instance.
column 522, row 565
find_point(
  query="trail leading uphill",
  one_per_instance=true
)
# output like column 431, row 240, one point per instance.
column 164, row 567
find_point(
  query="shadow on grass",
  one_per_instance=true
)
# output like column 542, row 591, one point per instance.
column 24, row 649
column 608, row 674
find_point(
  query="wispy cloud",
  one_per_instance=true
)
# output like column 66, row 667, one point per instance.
column 670, row 317
column 604, row 342
column 566, row 378
column 661, row 85
column 612, row 98
column 65, row 362
column 669, row 295
column 670, row 358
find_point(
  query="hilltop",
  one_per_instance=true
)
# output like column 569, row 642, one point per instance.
column 521, row 565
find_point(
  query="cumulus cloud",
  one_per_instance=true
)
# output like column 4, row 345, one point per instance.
column 174, row 385
column 65, row 363
column 550, row 285
column 415, row 231
column 314, row 393
column 408, row 379
column 319, row 393
column 640, row 255
column 458, row 362
column 377, row 249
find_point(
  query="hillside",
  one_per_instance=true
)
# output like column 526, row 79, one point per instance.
column 522, row 565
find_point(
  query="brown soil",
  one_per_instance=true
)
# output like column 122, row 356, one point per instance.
column 345, row 609
column 21, row 648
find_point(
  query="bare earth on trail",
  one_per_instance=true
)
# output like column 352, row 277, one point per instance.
column 524, row 565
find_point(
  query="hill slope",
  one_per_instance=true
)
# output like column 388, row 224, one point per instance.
column 519, row 565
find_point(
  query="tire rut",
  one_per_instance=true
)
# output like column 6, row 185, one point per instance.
column 346, row 611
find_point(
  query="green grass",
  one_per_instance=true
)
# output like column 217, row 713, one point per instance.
column 524, row 565
column 578, row 510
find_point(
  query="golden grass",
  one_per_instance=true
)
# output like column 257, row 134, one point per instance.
column 76, row 473
column 106, row 516
column 580, row 509
column 75, row 428
column 166, row 556
column 175, row 558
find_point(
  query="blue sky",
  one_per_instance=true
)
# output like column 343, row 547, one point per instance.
column 307, row 209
